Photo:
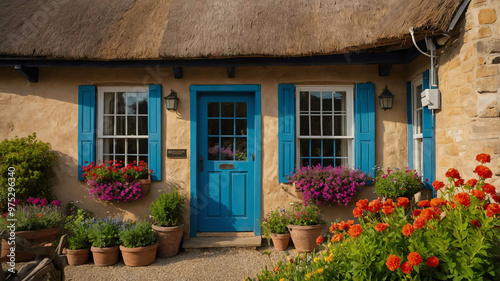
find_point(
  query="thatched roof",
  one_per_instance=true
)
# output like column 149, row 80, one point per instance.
column 186, row 29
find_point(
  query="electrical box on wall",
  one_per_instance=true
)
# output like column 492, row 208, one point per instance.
column 431, row 98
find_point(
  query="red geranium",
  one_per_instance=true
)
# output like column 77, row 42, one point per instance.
column 424, row 203
column 363, row 204
column 375, row 206
column 406, row 268
column 438, row 185
column 462, row 198
column 393, row 262
column 471, row 182
column 407, row 230
column 483, row 172
column 452, row 173
column 388, row 210
column 403, row 202
column 478, row 194
column 489, row 188
column 438, row 202
column 355, row 231
column 459, row 182
column 320, row 240
column 419, row 223
column 381, row 227
column 483, row 158
column 475, row 223
column 417, row 212
column 414, row 258
column 432, row 262
column 357, row 212
column 337, row 237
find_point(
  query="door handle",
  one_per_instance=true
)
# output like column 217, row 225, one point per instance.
column 201, row 163
column 253, row 157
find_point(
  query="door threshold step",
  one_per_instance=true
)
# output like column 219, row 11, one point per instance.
column 226, row 234
column 222, row 242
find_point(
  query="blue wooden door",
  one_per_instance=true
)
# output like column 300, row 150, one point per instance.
column 226, row 147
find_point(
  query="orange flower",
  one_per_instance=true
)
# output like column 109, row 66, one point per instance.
column 489, row 188
column 374, row 206
column 471, row 182
column 437, row 185
column 427, row 214
column 363, row 204
column 357, row 212
column 459, row 182
column 492, row 210
column 334, row 227
column 276, row 269
column 424, row 203
column 452, row 173
column 417, row 212
column 406, row 268
column 478, row 193
column 462, row 198
column 475, row 223
column 407, row 230
column 389, row 202
column 495, row 197
column 393, row 262
column 414, row 258
column 320, row 240
column 403, row 202
column 345, row 225
column 419, row 223
column 381, row 227
column 40, row 214
column 438, row 202
column 483, row 158
column 388, row 210
column 337, row 237
column 432, row 262
column 355, row 231
column 483, row 172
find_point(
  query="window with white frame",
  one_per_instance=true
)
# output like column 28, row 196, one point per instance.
column 417, row 124
column 325, row 127
column 122, row 126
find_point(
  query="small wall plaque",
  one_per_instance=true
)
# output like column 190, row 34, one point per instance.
column 177, row 153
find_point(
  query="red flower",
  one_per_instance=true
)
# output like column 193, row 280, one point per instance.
column 375, row 206
column 345, row 225
column 419, row 223
column 452, row 173
column 355, row 231
column 389, row 202
column 492, row 210
column 337, row 237
column 478, row 193
column 363, row 204
column 475, row 223
column 406, row 268
column 414, row 258
column 483, row 158
column 388, row 210
column 408, row 230
column 489, row 188
column 381, row 227
column 459, row 182
column 471, row 182
column 334, row 227
column 357, row 212
column 403, row 202
column 417, row 212
column 320, row 240
column 393, row 262
column 424, row 203
column 438, row 185
column 462, row 198
column 483, row 172
column 432, row 262
column 495, row 197
column 438, row 202
column 427, row 214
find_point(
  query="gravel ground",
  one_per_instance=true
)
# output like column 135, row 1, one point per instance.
column 205, row 264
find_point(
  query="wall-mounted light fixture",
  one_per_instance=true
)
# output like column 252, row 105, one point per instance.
column 385, row 99
column 171, row 101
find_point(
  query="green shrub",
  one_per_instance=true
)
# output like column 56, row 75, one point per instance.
column 78, row 226
column 168, row 208
column 305, row 214
column 137, row 235
column 34, row 168
column 398, row 183
column 104, row 232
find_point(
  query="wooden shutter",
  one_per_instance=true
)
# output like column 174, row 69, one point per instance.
column 286, row 130
column 86, row 126
column 364, row 137
column 154, row 131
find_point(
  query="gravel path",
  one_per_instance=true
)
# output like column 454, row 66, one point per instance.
column 206, row 264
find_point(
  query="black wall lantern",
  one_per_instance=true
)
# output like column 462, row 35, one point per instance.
column 171, row 101
column 385, row 99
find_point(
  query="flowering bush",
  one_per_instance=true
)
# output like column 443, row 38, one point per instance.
column 113, row 181
column 138, row 234
column 78, row 225
column 398, row 183
column 275, row 222
column 104, row 232
column 35, row 214
column 332, row 185
column 301, row 214
column 453, row 237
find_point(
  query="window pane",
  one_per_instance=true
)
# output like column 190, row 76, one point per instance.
column 120, row 103
column 227, row 126
column 227, row 109
column 304, row 148
column 328, row 148
column 327, row 162
column 120, row 125
column 304, row 162
column 316, row 148
column 109, row 124
column 131, row 103
column 327, row 125
column 143, row 146
column 315, row 161
column 339, row 101
column 240, row 152
column 304, row 101
column 142, row 99
column 107, row 146
column 145, row 159
column 340, row 126
column 227, row 146
column 315, row 126
column 241, row 127
column 327, row 101
column 304, row 125
column 213, row 126
column 341, row 148
column 119, row 146
column 315, row 102
column 241, row 109
column 131, row 158
column 131, row 126
column 109, row 103
column 107, row 157
column 213, row 148
column 213, row 109
column 132, row 146
column 120, row 158
column 143, row 126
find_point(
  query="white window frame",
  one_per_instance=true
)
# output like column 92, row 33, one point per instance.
column 100, row 116
column 417, row 136
column 349, row 90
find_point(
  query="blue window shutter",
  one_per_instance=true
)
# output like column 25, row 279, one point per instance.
column 154, row 131
column 86, row 126
column 409, row 122
column 364, row 135
column 429, row 160
column 286, row 130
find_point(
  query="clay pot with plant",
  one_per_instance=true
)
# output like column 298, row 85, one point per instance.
column 275, row 227
column 167, row 214
column 306, row 224
column 103, row 235
column 139, row 244
column 78, row 225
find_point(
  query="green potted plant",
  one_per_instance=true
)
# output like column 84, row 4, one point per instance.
column 103, row 235
column 37, row 221
column 275, row 227
column 167, row 214
column 139, row 244
column 77, row 226
column 398, row 183
column 306, row 222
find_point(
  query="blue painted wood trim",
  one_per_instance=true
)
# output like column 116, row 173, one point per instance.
column 409, row 122
column 364, row 135
column 194, row 165
column 154, row 131
column 429, row 149
column 286, row 130
column 86, row 126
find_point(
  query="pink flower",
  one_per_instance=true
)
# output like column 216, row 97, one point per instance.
column 57, row 203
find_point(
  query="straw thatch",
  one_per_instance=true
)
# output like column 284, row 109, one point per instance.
column 186, row 29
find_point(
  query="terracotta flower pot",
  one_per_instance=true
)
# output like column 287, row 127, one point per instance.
column 280, row 241
column 139, row 256
column 145, row 185
column 105, row 256
column 304, row 236
column 169, row 239
column 34, row 237
column 77, row 257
